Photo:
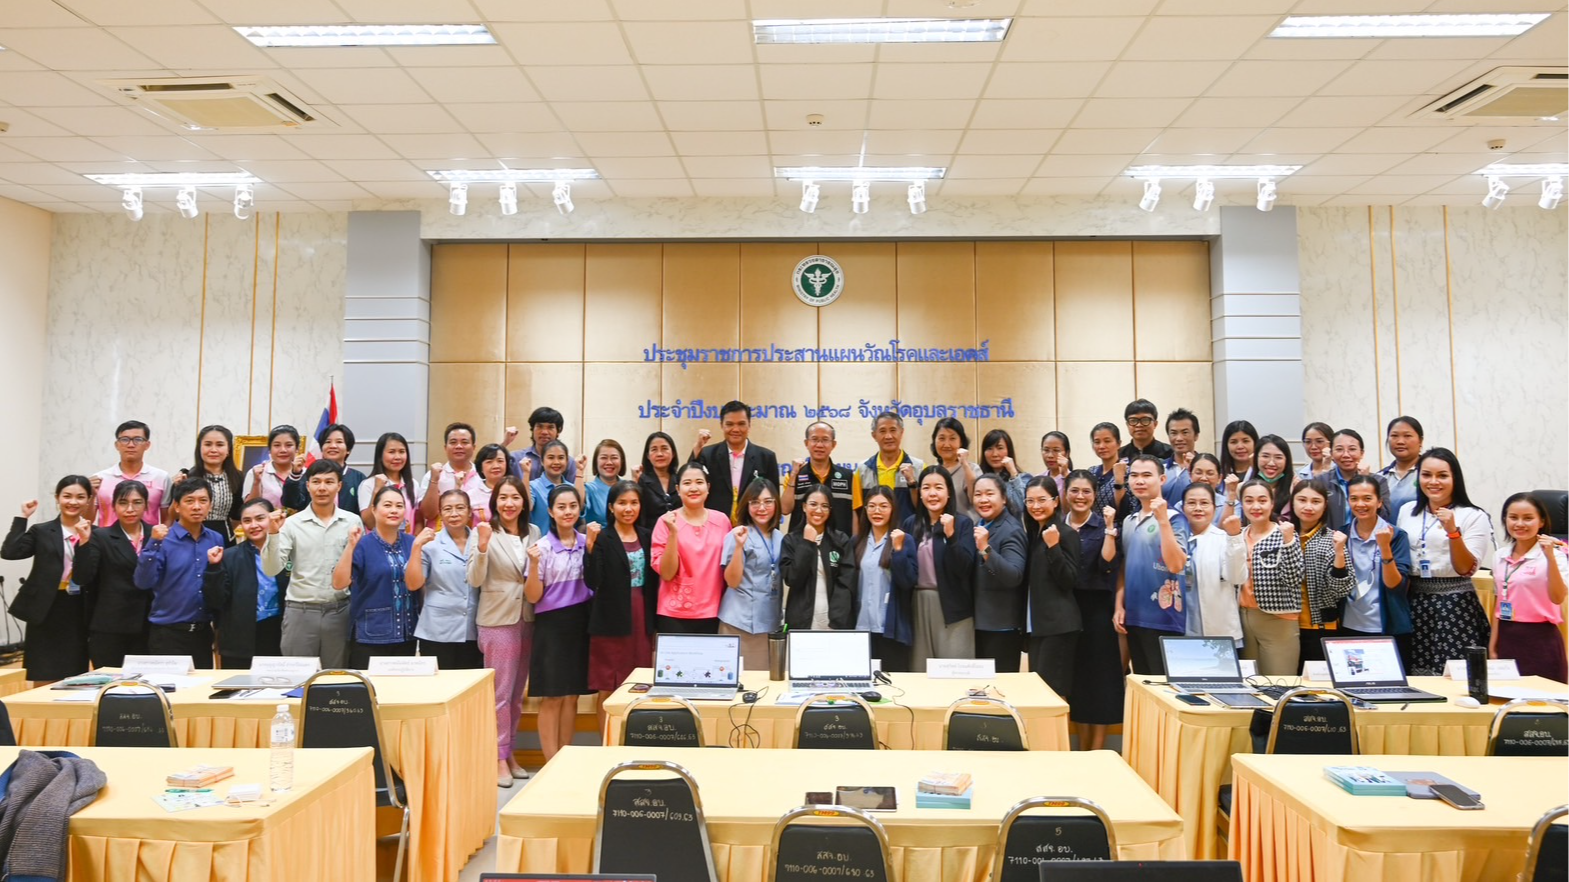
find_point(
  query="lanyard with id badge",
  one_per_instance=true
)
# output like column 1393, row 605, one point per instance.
column 1423, row 563
column 1506, row 609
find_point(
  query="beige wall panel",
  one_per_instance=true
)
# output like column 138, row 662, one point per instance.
column 623, row 293
column 770, row 311
column 702, row 284
column 1014, row 300
column 468, row 393
column 1089, row 393
column 468, row 303
column 1094, row 295
column 867, row 311
column 789, row 385
column 1033, row 388
column 923, row 384
column 612, row 396
column 848, row 385
column 1174, row 384
column 545, row 303
column 710, row 384
column 1171, row 301
column 936, row 293
column 546, row 384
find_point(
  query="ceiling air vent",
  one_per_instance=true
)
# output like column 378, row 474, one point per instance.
column 1505, row 93
column 235, row 104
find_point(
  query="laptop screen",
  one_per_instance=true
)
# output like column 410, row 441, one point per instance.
column 1361, row 660
column 697, row 660
column 830, row 655
column 1200, row 658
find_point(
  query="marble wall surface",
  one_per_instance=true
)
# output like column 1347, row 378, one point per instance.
column 1455, row 316
column 24, row 288
column 172, row 321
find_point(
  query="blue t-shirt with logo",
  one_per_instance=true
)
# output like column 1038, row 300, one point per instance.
column 1153, row 595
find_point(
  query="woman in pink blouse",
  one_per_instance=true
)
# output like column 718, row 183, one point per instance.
column 687, row 544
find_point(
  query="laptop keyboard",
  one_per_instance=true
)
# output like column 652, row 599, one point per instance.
column 698, row 694
column 1383, row 690
column 824, row 685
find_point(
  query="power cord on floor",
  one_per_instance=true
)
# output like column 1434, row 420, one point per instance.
column 742, row 734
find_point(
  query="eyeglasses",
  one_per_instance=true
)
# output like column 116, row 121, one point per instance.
column 760, row 503
column 1141, row 422
column 130, row 441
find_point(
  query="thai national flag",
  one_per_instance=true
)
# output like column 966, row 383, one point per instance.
column 329, row 415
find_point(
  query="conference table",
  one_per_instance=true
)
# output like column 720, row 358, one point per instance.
column 549, row 827
column 323, row 828
column 1289, row 822
column 1184, row 752
column 12, row 681
column 910, row 716
column 439, row 732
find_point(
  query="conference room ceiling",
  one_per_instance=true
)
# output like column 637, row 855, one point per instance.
column 671, row 98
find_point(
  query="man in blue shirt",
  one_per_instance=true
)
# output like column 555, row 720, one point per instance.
column 544, row 426
column 171, row 565
column 1182, row 427
column 1154, row 543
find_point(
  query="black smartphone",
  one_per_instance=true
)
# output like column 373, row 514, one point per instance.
column 1195, row 700
column 641, row 687
column 1456, row 797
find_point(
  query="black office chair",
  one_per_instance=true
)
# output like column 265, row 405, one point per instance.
column 835, row 721
column 1026, row 841
column 1547, row 854
column 846, row 842
column 7, row 734
column 662, row 721
column 652, row 825
column 346, row 714
column 1141, row 871
column 983, row 724
column 1557, row 505
column 132, row 713
column 1519, row 731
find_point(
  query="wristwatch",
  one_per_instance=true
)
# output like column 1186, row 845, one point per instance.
column 1119, row 486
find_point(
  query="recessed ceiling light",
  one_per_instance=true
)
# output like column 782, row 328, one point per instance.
column 176, row 179
column 1212, row 172
column 1524, row 170
column 318, row 36
column 858, row 173
column 514, row 175
column 880, row 30
column 1334, row 26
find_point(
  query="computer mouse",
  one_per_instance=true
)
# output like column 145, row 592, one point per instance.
column 749, row 697
column 872, row 696
column 1467, row 701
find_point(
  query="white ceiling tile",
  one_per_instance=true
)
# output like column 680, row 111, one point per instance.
column 37, row 174
column 980, row 187
column 678, row 10
column 427, row 189
column 1545, row 42
column 1107, row 165
column 939, row 53
column 619, row 82
column 555, row 43
column 73, row 192
column 75, row 49
column 816, row 8
column 789, row 82
column 375, row 86
column 819, row 53
column 610, row 116
column 451, row 145
column 1169, row 38
column 62, row 150
column 1074, row 186
column 47, row 89
column 984, row 142
column 1298, row 49
column 1439, row 48
column 179, row 48
column 1407, row 77
column 543, row 10
column 819, row 142
column 613, row 168
column 339, row 147
column 941, row 114
column 413, row 11
column 711, row 116
column 1024, row 113
column 1092, row 141
column 1437, row 163
column 1111, row 113
column 291, row 171
column 1402, row 184
column 1474, row 139
column 1225, row 7
column 158, row 147
column 10, row 60
column 720, row 143
column 1299, row 140
column 274, row 12
column 702, row 82
column 474, row 85
column 1393, row 139
column 1046, row 79
column 689, row 42
column 25, row 124
column 930, row 81
column 1237, row 112
column 40, row 14
column 1159, row 79
column 1087, row 7
column 994, row 166
column 526, row 144
column 401, row 118
column 1205, row 141
column 414, row 57
column 1352, row 164
column 377, row 169
column 676, row 189
column 837, row 115
column 94, row 121
column 1345, row 111
column 249, row 146
column 10, row 152
column 625, row 143
column 732, row 187
column 1249, row 79
column 514, row 117
column 913, row 141
column 354, row 58
column 188, row 166
column 729, row 167
column 316, row 192
column 1069, row 39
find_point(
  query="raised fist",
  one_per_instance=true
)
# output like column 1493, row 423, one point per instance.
column 275, row 521
column 982, row 536
column 425, row 537
column 964, row 456
column 215, row 555
column 1109, row 515
column 29, row 507
column 582, row 464
column 897, row 538
column 1385, row 536
column 740, row 536
column 1232, row 524
column 907, row 472
column 1231, row 486
column 1446, row 516
column 1340, row 539
column 83, row 530
column 96, row 482
column 1159, row 510
column 947, row 524
column 1288, row 532
column 704, row 436
column 482, row 534
column 1009, row 466
column 534, row 551
column 1051, row 536
column 355, row 533
column 1119, row 471
column 637, row 473
column 592, row 530
column 509, row 435
column 159, row 532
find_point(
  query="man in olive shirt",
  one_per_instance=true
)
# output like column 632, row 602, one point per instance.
column 315, row 616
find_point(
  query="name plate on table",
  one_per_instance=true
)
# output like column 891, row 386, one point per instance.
column 1249, row 667
column 402, row 666
column 1497, row 669
column 142, row 665
column 1316, row 670
column 289, row 666
column 961, row 668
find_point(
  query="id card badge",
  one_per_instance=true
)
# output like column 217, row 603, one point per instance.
column 1424, row 568
column 73, row 588
column 1506, row 610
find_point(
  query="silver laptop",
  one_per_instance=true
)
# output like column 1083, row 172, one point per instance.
column 257, row 681
column 698, row 667
column 829, row 661
column 1369, row 668
column 1208, row 665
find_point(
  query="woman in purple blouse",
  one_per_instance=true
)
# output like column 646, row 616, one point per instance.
column 558, row 668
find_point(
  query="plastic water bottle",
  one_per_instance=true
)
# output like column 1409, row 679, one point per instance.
column 281, row 770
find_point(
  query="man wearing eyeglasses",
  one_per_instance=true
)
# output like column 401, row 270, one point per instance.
column 1141, row 416
column 131, row 439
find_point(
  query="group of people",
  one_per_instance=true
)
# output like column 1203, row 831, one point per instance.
column 556, row 572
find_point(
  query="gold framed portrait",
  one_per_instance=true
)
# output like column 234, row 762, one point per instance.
column 249, row 451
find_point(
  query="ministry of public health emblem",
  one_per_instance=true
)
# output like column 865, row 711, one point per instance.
column 818, row 280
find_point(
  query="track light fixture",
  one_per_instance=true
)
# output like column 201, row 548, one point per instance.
column 810, row 191
column 185, row 201
column 131, row 201
column 458, row 198
column 1497, row 190
column 861, row 197
column 509, row 199
column 1266, row 194
column 917, row 197
column 562, row 194
column 244, row 201
column 1151, row 195
column 1552, row 193
column 1203, row 195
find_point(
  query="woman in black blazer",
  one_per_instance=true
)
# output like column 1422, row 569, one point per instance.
column 105, row 567
column 656, row 479
column 1051, row 575
column 49, row 601
column 802, row 554
column 620, row 571
column 229, row 589
column 943, row 590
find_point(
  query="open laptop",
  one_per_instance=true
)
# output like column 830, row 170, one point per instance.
column 1208, row 665
column 258, row 681
column 1369, row 668
column 829, row 661
column 698, row 667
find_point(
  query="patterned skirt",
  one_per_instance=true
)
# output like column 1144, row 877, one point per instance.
column 1446, row 617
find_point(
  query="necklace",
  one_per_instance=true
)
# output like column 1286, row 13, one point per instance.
column 1087, row 516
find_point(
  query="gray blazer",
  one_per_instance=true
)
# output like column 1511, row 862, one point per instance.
column 999, row 578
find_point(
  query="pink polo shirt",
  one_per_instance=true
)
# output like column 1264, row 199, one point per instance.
column 1522, row 583
column 154, row 479
column 699, row 583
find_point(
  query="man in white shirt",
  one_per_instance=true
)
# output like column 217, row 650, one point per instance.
column 131, row 439
column 457, row 473
column 315, row 615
